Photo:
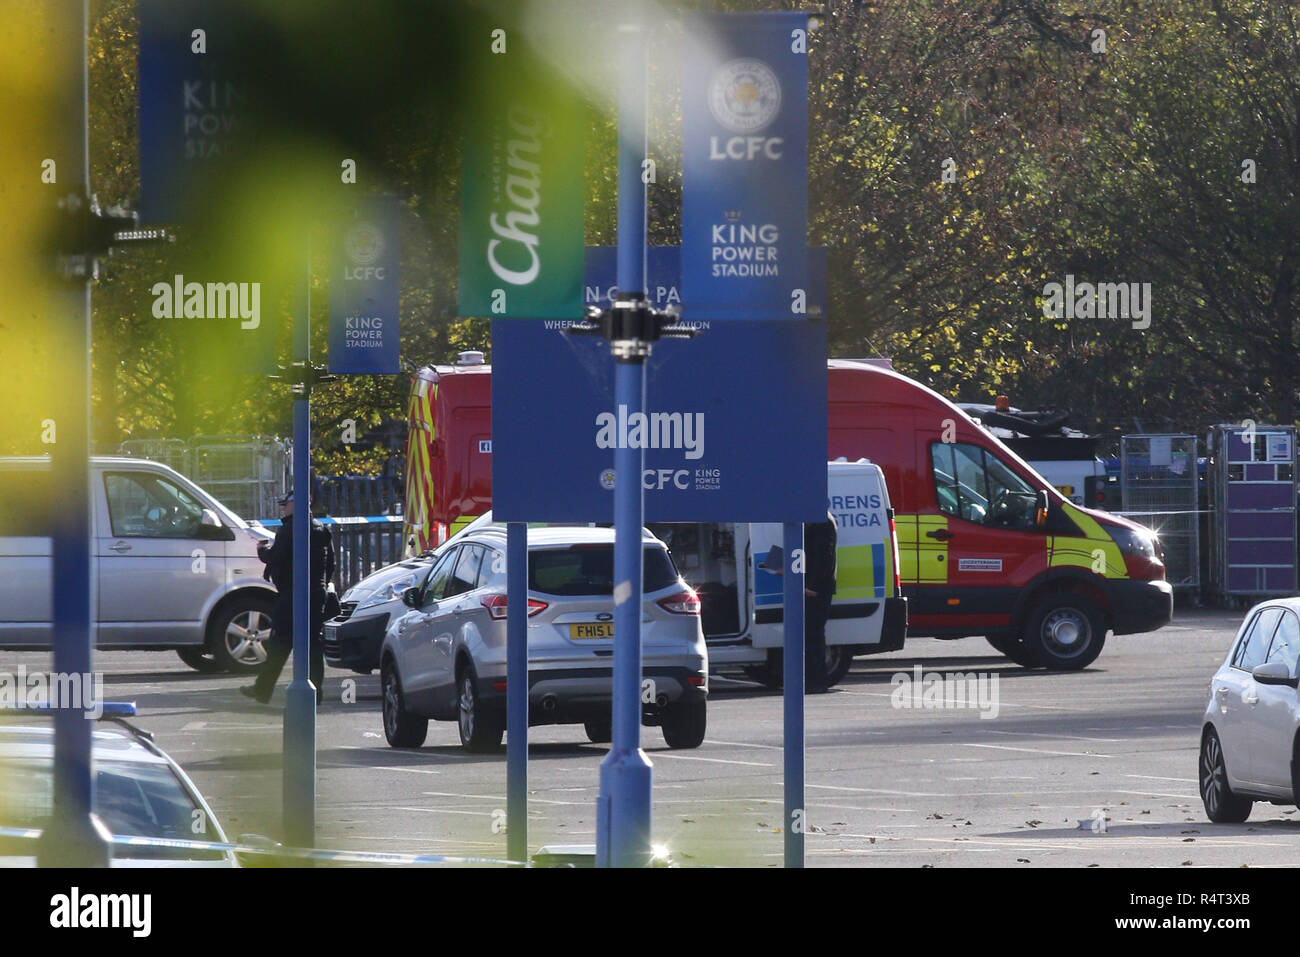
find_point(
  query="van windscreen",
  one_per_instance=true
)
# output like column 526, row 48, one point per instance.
column 589, row 570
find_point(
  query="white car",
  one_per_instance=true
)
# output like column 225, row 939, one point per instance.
column 1249, row 744
column 445, row 658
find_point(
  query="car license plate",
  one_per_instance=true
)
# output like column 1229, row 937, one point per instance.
column 592, row 629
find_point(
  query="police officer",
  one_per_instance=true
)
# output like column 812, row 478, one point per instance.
column 819, row 543
column 278, row 556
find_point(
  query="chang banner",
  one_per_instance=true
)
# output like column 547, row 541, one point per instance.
column 364, row 290
column 521, row 211
column 744, row 173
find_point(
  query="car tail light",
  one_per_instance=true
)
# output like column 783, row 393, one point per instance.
column 683, row 603
column 496, row 606
column 695, row 681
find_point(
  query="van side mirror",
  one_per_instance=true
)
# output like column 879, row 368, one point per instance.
column 411, row 597
column 1040, row 512
column 210, row 528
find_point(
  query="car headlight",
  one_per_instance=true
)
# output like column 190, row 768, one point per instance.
column 386, row 593
column 1137, row 544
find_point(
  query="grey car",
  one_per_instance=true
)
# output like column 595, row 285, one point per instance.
column 353, row 638
column 445, row 659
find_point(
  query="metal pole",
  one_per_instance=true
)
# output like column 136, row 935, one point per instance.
column 75, row 836
column 623, row 810
column 795, row 815
column 300, row 701
column 517, row 691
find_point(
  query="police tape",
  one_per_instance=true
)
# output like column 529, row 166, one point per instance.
column 330, row 520
column 297, row 853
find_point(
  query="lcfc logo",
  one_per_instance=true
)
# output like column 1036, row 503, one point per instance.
column 364, row 244
column 745, row 97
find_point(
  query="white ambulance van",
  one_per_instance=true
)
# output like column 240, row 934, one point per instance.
column 741, row 600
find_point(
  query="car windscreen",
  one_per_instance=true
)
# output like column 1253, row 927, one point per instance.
column 589, row 570
column 132, row 799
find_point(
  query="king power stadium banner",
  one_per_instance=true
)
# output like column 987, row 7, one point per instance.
column 521, row 209
column 744, row 171
column 194, row 108
column 364, row 290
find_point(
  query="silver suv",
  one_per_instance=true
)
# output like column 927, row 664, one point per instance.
column 171, row 566
column 445, row 658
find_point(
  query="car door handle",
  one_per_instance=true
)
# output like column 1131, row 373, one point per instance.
column 940, row 533
column 119, row 547
column 1248, row 698
column 1222, row 692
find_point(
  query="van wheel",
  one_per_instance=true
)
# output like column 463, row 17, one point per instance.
column 401, row 728
column 236, row 634
column 479, row 731
column 1064, row 632
column 1014, row 648
column 599, row 732
column 199, row 659
column 839, row 658
column 770, row 674
column 1221, row 805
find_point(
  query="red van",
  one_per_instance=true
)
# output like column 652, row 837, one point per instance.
column 987, row 546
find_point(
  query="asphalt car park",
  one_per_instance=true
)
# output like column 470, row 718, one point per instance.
column 1097, row 767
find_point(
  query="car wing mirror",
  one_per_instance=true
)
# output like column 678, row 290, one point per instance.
column 1274, row 673
column 411, row 597
column 1040, row 510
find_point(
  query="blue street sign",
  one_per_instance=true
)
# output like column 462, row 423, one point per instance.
column 664, row 277
column 364, row 290
column 734, row 427
column 744, row 169
column 193, row 102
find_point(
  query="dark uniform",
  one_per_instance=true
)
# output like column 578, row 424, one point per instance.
column 819, row 542
column 278, row 557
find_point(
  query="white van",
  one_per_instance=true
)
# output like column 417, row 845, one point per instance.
column 742, row 604
column 172, row 568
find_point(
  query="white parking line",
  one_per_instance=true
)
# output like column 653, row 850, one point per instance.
column 743, row 744
column 1049, row 734
column 1156, row 777
column 1068, row 754
column 656, row 755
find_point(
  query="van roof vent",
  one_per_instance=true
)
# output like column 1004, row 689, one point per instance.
column 471, row 357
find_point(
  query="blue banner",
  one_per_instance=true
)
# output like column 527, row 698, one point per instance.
column 663, row 277
column 734, row 428
column 194, row 109
column 365, row 288
column 744, row 172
